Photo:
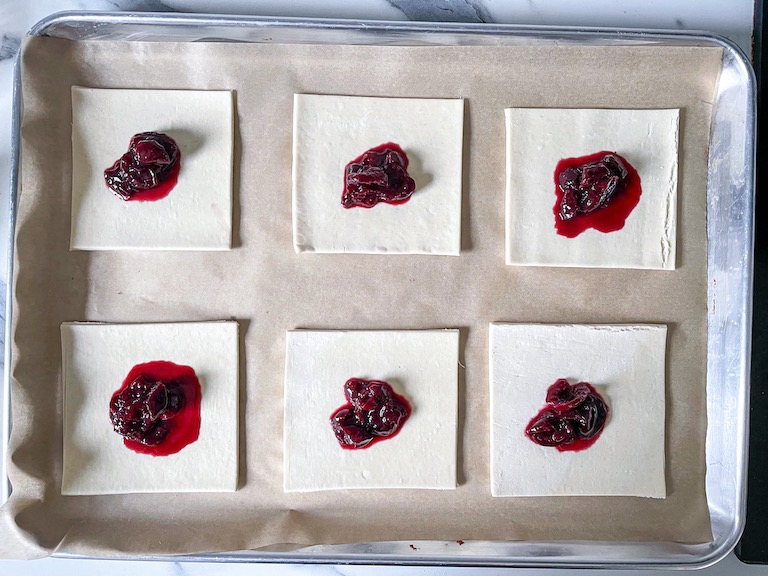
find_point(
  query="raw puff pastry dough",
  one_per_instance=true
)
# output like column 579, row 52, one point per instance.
column 625, row 363
column 537, row 139
column 96, row 359
column 330, row 131
column 197, row 214
column 422, row 365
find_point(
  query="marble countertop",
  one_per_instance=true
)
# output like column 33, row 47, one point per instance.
column 733, row 19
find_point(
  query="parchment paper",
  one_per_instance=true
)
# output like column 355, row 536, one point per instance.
column 269, row 289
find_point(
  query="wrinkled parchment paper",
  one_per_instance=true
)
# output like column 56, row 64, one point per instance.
column 269, row 289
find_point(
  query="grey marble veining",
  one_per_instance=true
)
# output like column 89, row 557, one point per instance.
column 444, row 10
column 9, row 46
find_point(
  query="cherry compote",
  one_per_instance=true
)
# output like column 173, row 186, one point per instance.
column 373, row 412
column 573, row 418
column 148, row 170
column 378, row 175
column 157, row 408
column 596, row 191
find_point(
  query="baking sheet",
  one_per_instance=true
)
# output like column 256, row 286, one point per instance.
column 270, row 289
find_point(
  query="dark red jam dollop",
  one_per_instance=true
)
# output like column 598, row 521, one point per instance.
column 157, row 409
column 596, row 191
column 573, row 418
column 373, row 412
column 379, row 175
column 148, row 171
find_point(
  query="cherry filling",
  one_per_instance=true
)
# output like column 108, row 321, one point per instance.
column 373, row 412
column 379, row 175
column 596, row 191
column 573, row 418
column 157, row 408
column 148, row 171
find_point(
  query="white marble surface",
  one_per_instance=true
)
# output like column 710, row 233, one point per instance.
column 730, row 18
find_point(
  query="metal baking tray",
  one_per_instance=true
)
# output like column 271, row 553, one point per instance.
column 730, row 216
